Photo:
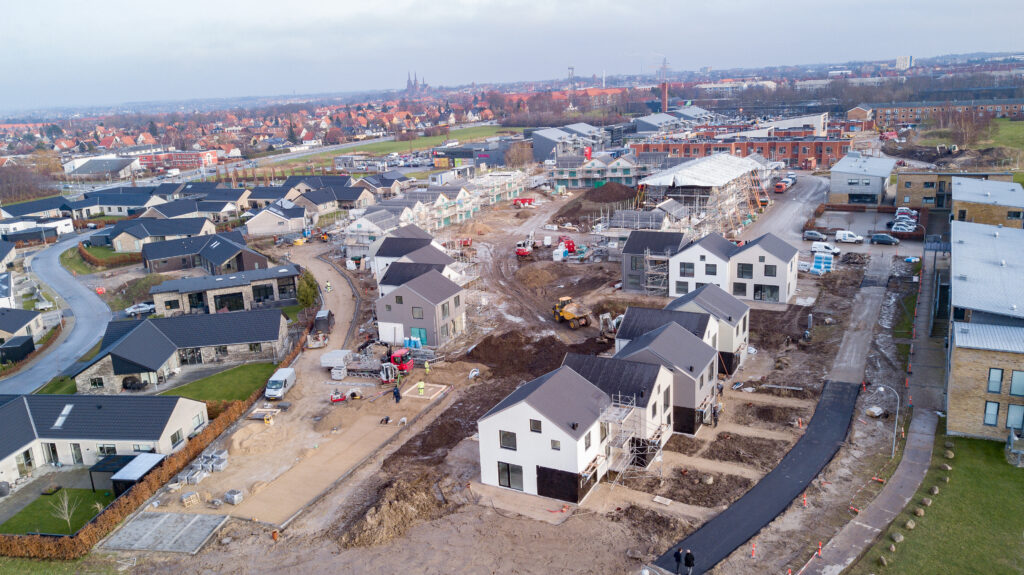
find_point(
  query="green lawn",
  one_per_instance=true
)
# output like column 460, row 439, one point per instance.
column 230, row 385
column 74, row 262
column 59, row 386
column 904, row 326
column 39, row 567
column 292, row 311
column 974, row 524
column 422, row 143
column 1007, row 134
column 1019, row 177
column 38, row 516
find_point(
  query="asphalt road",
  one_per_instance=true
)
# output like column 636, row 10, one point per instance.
column 91, row 318
column 791, row 209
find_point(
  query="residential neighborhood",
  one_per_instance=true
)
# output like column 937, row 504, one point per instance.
column 621, row 311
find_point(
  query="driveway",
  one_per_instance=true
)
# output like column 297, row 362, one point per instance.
column 787, row 216
column 91, row 318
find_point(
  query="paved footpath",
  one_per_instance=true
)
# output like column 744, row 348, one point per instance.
column 926, row 385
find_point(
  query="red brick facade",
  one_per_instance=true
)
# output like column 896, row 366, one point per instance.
column 804, row 153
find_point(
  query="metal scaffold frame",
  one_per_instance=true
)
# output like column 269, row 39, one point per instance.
column 626, row 437
column 656, row 273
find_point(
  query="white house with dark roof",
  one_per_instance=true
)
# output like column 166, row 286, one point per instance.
column 763, row 269
column 732, row 317
column 282, row 219
column 694, row 368
column 40, row 430
column 547, row 438
column 638, row 321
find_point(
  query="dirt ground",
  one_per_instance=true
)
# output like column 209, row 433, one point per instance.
column 791, row 539
column 588, row 204
column 964, row 158
column 761, row 452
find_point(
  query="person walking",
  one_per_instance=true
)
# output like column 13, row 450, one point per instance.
column 397, row 394
column 688, row 562
column 678, row 555
column 714, row 414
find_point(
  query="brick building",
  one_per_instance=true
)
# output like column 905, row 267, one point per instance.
column 893, row 114
column 273, row 286
column 988, row 202
column 182, row 160
column 801, row 152
column 933, row 189
column 985, row 379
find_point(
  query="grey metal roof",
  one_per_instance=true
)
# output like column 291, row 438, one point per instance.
column 772, row 244
column 637, row 219
column 16, row 429
column 428, row 254
column 433, row 286
column 400, row 272
column 203, row 283
column 617, row 376
column 1005, row 338
column 397, row 246
column 676, row 346
column 661, row 243
column 145, row 346
column 713, row 300
column 675, row 209
column 98, row 167
column 410, row 231
column 854, row 163
column 11, row 320
column 563, row 397
column 640, row 320
column 552, row 134
column 986, row 271
column 268, row 192
column 979, row 191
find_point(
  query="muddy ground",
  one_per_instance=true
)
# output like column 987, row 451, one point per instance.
column 758, row 452
column 685, row 444
column 590, row 204
column 692, row 487
column 964, row 158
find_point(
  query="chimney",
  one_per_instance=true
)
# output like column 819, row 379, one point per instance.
column 664, row 97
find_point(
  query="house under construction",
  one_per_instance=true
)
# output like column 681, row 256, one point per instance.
column 719, row 193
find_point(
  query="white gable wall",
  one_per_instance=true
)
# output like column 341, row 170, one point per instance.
column 693, row 255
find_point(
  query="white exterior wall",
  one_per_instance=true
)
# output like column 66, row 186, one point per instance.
column 532, row 449
column 650, row 423
column 785, row 273
column 391, row 332
column 692, row 255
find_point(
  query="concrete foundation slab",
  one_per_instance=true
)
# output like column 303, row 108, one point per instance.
column 173, row 532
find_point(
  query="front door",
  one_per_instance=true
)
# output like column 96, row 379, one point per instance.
column 76, row 453
column 50, row 453
column 419, row 333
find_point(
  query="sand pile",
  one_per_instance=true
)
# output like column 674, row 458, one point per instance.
column 330, row 419
column 477, row 228
column 535, row 275
column 400, row 506
column 256, row 437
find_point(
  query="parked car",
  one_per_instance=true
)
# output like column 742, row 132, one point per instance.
column 904, row 228
column 791, row 176
column 901, row 220
column 814, row 236
column 849, row 237
column 906, row 211
column 824, row 248
column 140, row 308
column 884, row 239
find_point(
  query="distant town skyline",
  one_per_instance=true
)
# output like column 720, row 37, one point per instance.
column 115, row 52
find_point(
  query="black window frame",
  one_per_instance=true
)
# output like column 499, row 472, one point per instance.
column 503, row 436
column 999, row 382
column 749, row 269
column 538, row 428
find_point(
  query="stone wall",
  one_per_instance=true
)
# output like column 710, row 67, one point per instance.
column 968, row 391
column 990, row 214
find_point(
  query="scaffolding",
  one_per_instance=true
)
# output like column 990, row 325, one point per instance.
column 656, row 273
column 629, row 452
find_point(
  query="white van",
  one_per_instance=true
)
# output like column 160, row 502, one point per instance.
column 279, row 383
column 849, row 237
column 824, row 248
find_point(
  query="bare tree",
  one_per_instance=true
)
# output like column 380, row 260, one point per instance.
column 64, row 507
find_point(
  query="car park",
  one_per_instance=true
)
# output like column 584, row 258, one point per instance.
column 814, row 236
column 884, row 239
column 902, row 228
column 824, row 248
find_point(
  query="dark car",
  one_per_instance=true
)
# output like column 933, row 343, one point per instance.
column 884, row 239
column 815, row 236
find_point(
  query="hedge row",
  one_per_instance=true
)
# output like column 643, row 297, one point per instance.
column 115, row 260
column 73, row 547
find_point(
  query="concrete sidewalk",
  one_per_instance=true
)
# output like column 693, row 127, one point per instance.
column 927, row 385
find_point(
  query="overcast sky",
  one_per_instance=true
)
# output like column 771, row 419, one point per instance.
column 69, row 52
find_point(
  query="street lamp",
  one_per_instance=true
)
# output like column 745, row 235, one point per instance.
column 895, row 424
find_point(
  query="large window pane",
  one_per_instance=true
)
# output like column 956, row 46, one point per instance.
column 510, row 476
column 686, row 269
column 995, row 380
column 745, row 271
column 991, row 413
column 507, row 440
column 1017, row 383
column 1015, row 416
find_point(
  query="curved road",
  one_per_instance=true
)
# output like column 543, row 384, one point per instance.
column 91, row 318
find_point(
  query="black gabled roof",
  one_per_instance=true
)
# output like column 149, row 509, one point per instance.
column 617, row 376
column 222, row 194
column 145, row 227
column 659, row 243
column 676, row 347
column 772, row 244
column 396, row 247
column 640, row 320
column 400, row 272
column 717, row 245
column 177, row 208
column 317, row 182
column 35, row 206
column 5, row 248
column 192, row 246
column 11, row 320
column 16, row 430
column 268, row 192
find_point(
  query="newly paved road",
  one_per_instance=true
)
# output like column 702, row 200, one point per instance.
column 717, row 538
column 91, row 317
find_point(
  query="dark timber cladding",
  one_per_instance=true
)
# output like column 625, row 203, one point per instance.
column 717, row 538
column 562, row 485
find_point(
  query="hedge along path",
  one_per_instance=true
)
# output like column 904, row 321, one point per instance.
column 78, row 545
column 118, row 260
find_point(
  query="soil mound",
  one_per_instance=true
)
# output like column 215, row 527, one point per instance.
column 610, row 192
column 685, row 445
column 654, row 529
column 535, row 276
column 690, row 489
column 400, row 506
column 593, row 200
column 512, row 353
column 758, row 452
